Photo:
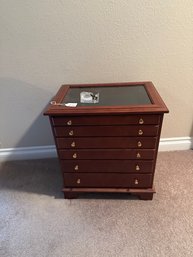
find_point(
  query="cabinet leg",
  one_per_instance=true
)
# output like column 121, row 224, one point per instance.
column 70, row 195
column 145, row 196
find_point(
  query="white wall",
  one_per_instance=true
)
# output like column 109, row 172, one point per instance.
column 44, row 44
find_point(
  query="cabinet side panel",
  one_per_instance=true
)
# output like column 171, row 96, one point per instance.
column 157, row 146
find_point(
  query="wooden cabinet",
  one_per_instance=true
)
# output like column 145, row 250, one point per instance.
column 110, row 145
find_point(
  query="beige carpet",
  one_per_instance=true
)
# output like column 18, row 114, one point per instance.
column 36, row 221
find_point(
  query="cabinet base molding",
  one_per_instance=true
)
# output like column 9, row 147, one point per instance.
column 143, row 194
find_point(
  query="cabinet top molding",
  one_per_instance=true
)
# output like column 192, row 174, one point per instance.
column 113, row 98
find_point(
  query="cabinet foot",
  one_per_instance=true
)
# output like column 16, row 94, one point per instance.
column 70, row 195
column 145, row 196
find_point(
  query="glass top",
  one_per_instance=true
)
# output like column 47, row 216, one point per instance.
column 107, row 96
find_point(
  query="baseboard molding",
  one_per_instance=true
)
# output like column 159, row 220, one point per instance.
column 175, row 144
column 28, row 153
column 42, row 152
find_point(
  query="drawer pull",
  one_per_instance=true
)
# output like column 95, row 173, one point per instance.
column 141, row 121
column 140, row 132
column 139, row 144
column 73, row 144
column 76, row 167
column 138, row 155
column 74, row 156
column 137, row 167
column 69, row 123
column 78, row 181
column 136, row 182
column 71, row 133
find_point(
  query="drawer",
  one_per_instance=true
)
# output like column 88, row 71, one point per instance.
column 115, row 180
column 108, row 131
column 107, row 142
column 106, row 120
column 118, row 166
column 116, row 154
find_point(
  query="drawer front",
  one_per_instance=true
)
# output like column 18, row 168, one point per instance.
column 115, row 180
column 115, row 154
column 108, row 131
column 106, row 120
column 107, row 142
column 118, row 166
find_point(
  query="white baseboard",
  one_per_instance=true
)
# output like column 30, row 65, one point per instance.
column 42, row 152
column 28, row 153
column 175, row 144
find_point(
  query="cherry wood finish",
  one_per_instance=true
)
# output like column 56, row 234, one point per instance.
column 158, row 106
column 107, row 180
column 121, row 166
column 143, row 194
column 108, row 154
column 107, row 142
column 106, row 131
column 106, row 120
column 108, row 148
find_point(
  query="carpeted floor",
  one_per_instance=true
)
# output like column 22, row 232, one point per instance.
column 36, row 221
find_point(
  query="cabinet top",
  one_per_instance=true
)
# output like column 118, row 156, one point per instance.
column 129, row 97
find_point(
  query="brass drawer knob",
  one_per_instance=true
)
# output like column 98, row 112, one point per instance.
column 71, row 133
column 139, row 144
column 136, row 182
column 74, row 156
column 137, row 167
column 73, row 144
column 141, row 121
column 140, row 132
column 78, row 181
column 138, row 155
column 69, row 123
column 76, row 167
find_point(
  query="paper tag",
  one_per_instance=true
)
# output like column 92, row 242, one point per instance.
column 71, row 104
